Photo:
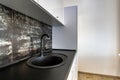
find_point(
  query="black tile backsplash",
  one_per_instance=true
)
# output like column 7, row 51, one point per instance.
column 20, row 36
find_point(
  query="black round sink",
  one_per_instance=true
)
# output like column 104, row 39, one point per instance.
column 49, row 61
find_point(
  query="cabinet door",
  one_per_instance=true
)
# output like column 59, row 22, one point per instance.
column 73, row 75
column 54, row 7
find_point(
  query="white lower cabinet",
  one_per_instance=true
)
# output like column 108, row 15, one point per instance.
column 73, row 75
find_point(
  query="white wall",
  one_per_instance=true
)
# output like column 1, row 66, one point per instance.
column 65, row 37
column 98, row 36
column 70, row 3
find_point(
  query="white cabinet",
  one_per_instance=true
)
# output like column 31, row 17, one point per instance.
column 54, row 7
column 73, row 75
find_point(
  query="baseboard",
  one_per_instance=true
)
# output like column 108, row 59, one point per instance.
column 98, row 74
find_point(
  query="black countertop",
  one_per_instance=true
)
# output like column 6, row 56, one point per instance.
column 21, row 71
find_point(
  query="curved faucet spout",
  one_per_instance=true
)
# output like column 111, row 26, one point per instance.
column 44, row 35
column 42, row 43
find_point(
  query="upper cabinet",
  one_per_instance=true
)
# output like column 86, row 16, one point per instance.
column 54, row 7
column 47, row 11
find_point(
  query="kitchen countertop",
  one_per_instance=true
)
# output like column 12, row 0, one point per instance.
column 21, row 71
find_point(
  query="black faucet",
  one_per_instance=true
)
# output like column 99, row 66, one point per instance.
column 42, row 43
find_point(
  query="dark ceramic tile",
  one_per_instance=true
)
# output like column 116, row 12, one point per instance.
column 20, row 35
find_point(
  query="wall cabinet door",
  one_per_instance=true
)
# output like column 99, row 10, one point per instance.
column 54, row 7
column 73, row 75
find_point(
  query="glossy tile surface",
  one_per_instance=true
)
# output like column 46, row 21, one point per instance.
column 85, row 76
column 20, row 35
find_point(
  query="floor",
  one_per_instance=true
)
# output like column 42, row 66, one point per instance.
column 86, row 76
